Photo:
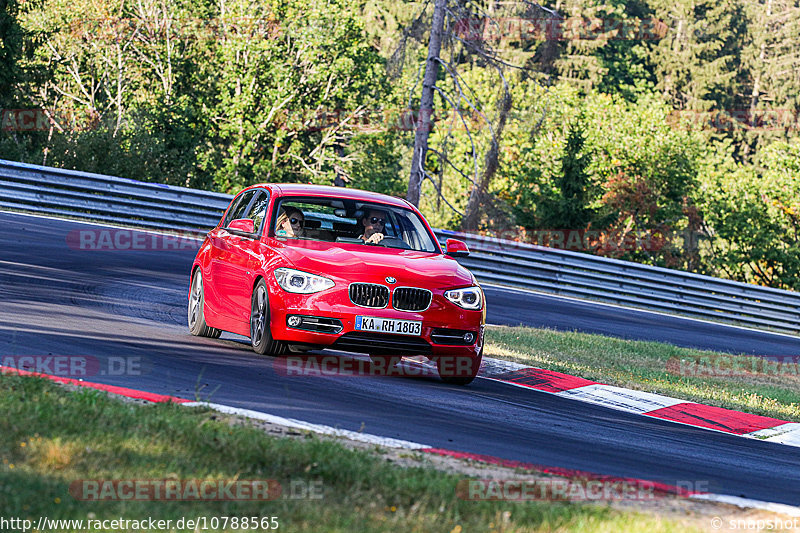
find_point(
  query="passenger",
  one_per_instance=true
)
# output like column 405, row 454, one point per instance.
column 290, row 223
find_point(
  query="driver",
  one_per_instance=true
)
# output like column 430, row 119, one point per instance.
column 373, row 222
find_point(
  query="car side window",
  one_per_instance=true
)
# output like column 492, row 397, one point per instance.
column 258, row 210
column 237, row 210
column 389, row 226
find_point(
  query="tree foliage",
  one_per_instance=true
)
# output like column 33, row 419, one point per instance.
column 754, row 216
column 672, row 121
column 200, row 93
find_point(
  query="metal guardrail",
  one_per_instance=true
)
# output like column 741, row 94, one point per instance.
column 629, row 284
column 124, row 201
column 105, row 198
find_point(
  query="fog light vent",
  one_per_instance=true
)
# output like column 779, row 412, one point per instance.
column 318, row 324
column 453, row 337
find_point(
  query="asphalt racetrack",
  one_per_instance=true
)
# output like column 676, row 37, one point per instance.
column 56, row 299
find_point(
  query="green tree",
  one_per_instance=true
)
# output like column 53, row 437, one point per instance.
column 605, row 45
column 374, row 164
column 11, row 42
column 754, row 217
column 201, row 93
column 281, row 107
column 569, row 209
column 771, row 57
column 640, row 174
column 697, row 63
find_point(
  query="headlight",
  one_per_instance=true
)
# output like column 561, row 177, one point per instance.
column 469, row 298
column 297, row 281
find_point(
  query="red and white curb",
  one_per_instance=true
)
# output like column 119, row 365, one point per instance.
column 419, row 447
column 644, row 403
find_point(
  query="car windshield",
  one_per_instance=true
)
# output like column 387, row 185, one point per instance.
column 350, row 221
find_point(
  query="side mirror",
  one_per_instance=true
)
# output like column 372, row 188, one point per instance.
column 456, row 248
column 242, row 226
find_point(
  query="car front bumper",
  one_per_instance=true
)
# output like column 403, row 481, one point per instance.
column 328, row 320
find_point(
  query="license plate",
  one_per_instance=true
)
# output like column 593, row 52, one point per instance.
column 388, row 325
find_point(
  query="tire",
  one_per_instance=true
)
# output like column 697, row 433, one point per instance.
column 196, row 314
column 260, row 335
column 461, row 376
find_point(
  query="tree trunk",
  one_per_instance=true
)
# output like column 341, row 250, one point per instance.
column 339, row 180
column 473, row 211
column 424, row 121
column 759, row 73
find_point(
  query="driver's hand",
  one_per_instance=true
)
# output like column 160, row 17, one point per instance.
column 375, row 238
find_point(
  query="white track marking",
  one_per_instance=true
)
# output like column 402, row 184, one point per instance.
column 747, row 503
column 308, row 426
column 783, row 434
column 631, row 401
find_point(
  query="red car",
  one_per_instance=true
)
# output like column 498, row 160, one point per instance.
column 302, row 267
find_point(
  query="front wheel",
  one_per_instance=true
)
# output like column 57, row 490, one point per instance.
column 260, row 335
column 459, row 369
column 196, row 315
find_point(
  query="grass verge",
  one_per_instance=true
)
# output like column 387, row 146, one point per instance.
column 50, row 437
column 742, row 383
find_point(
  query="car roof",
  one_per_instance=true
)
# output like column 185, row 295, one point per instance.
column 302, row 189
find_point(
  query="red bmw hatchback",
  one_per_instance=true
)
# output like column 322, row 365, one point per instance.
column 301, row 267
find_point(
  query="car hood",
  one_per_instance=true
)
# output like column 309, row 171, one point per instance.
column 368, row 264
